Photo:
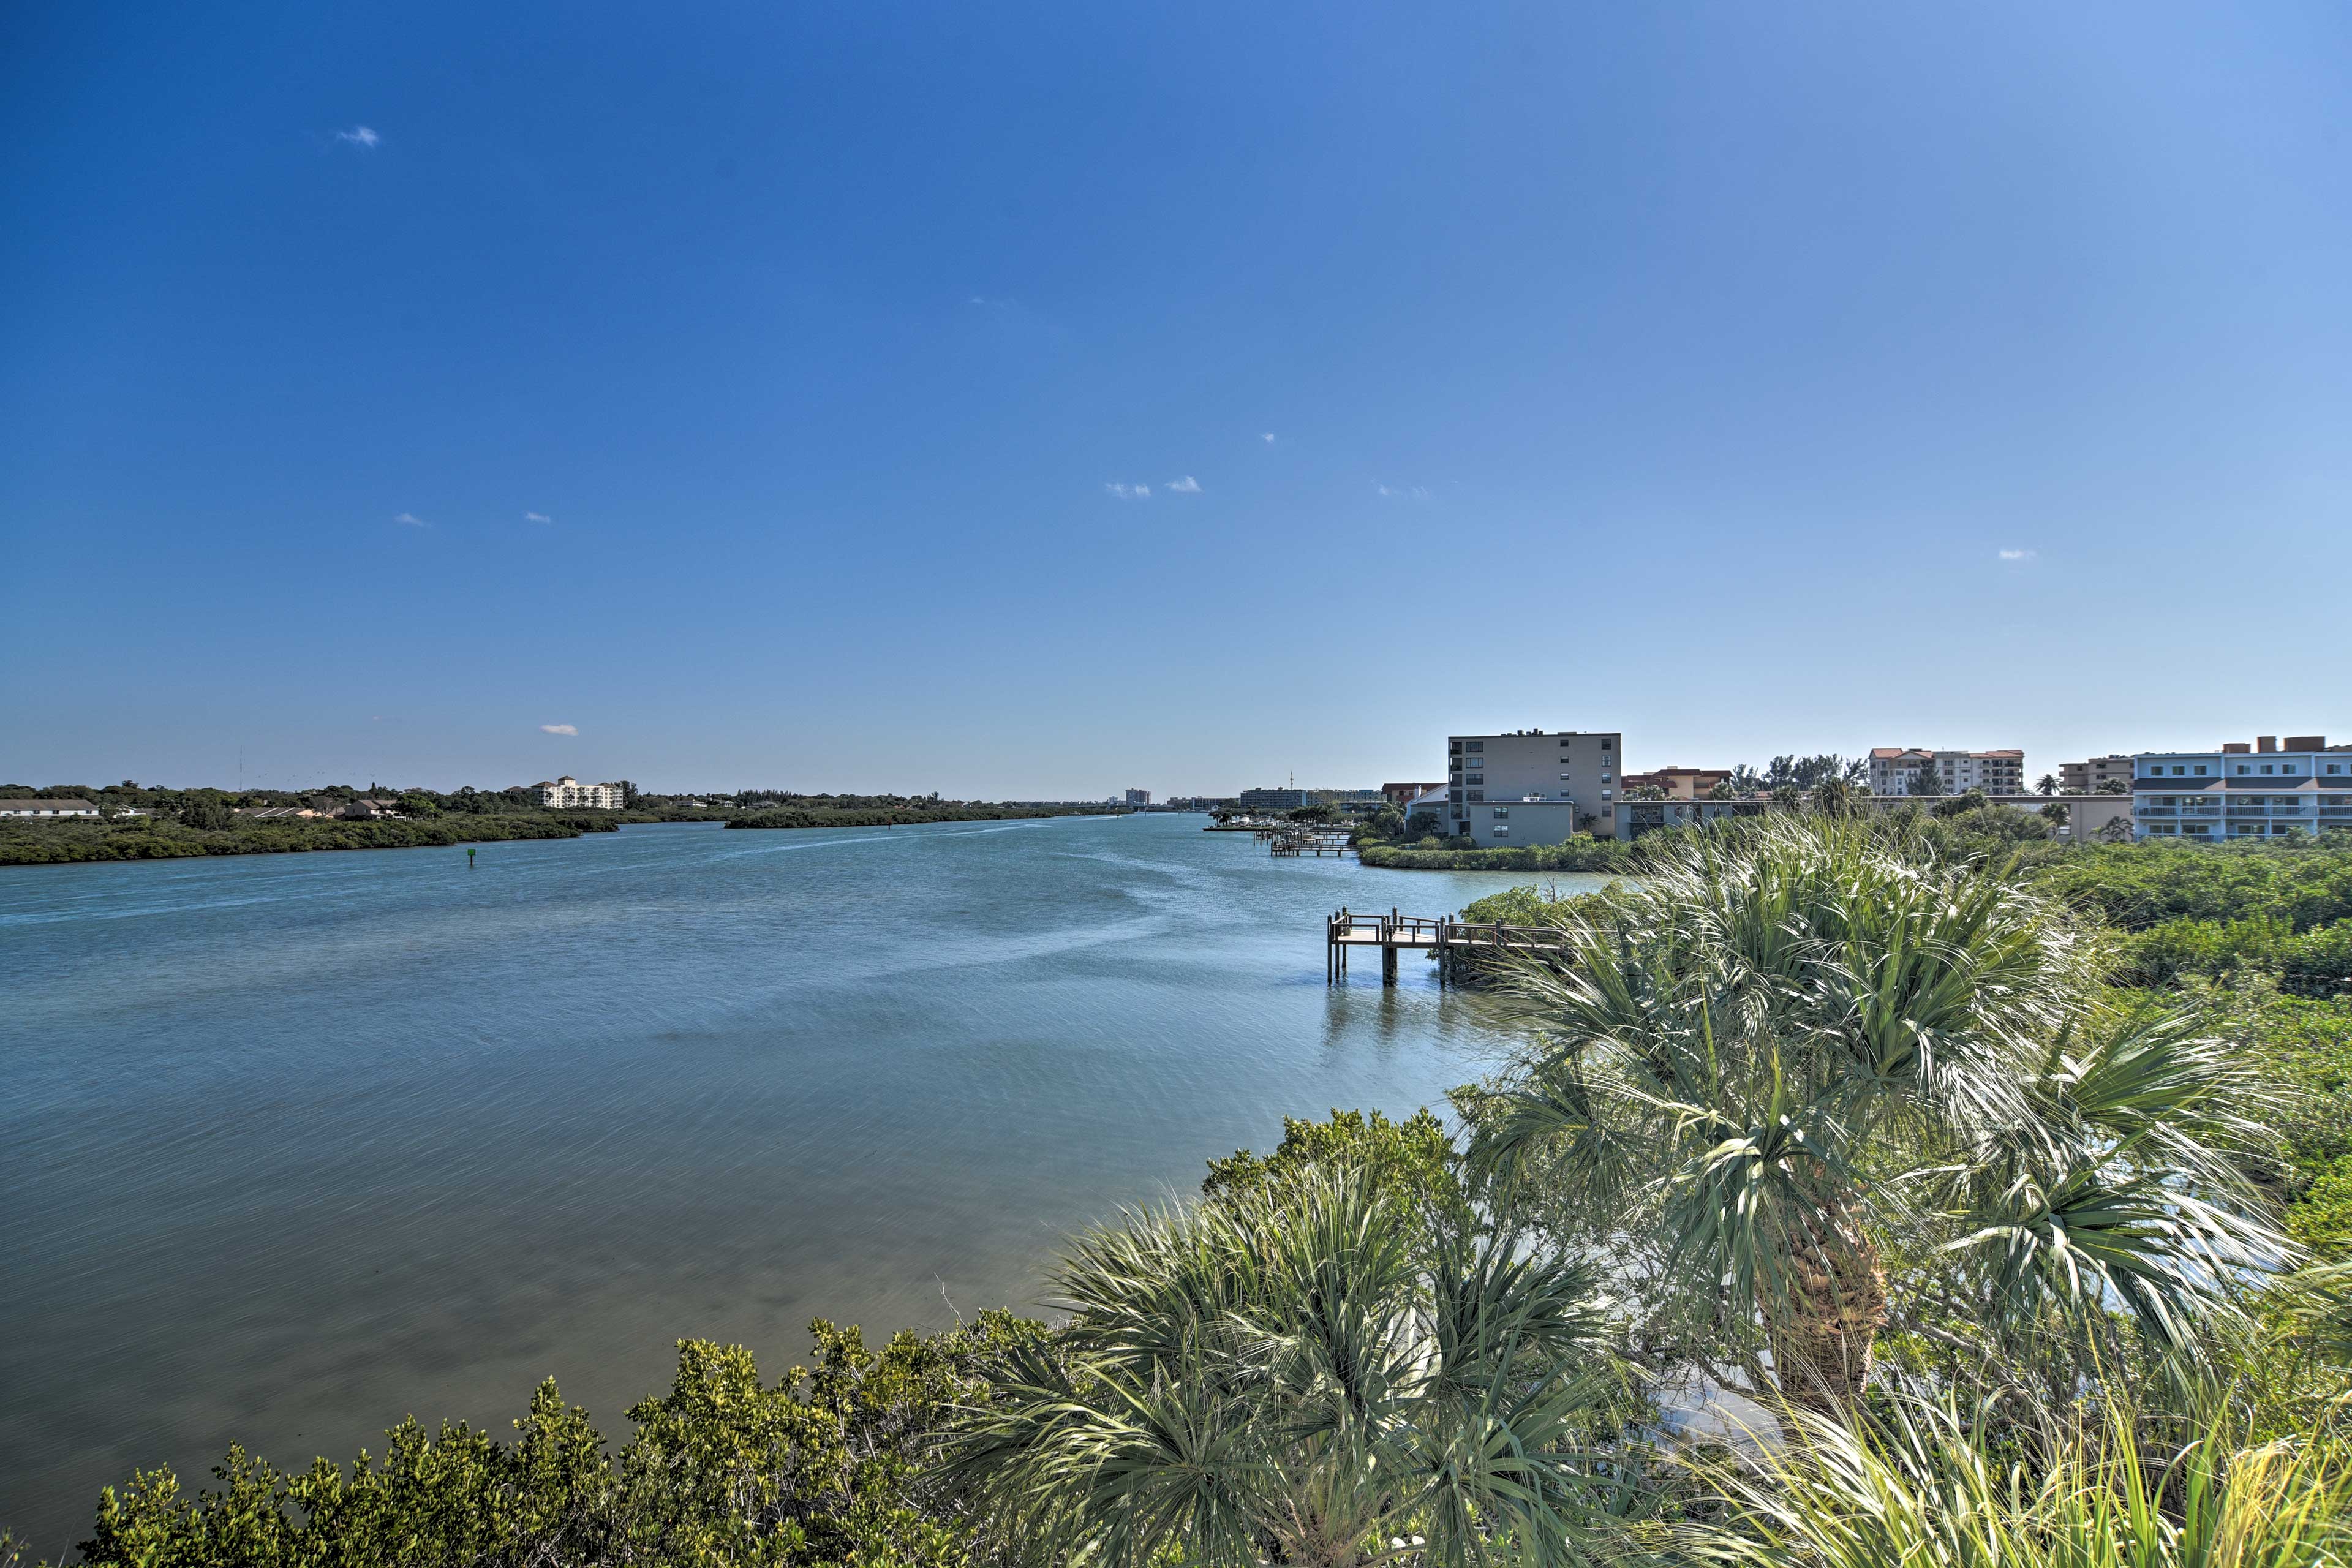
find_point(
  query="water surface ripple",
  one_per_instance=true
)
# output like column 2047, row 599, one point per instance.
column 294, row 1145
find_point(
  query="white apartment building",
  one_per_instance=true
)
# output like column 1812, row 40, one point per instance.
column 2262, row 790
column 568, row 791
column 1531, row 787
column 1924, row 770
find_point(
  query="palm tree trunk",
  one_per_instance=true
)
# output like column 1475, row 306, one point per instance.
column 1822, row 1344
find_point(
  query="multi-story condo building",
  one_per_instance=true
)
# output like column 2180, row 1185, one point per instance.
column 2258, row 790
column 1530, row 787
column 1272, row 799
column 1923, row 770
column 1138, row 798
column 2097, row 777
column 568, row 791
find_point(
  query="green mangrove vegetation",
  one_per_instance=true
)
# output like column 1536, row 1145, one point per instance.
column 1855, row 1194
column 39, row 842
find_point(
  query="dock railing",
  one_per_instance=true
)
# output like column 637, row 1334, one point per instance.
column 1447, row 936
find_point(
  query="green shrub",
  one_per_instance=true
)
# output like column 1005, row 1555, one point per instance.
column 825, row 1467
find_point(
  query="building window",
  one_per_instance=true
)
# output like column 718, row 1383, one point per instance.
column 2266, row 768
column 1475, row 763
column 1478, row 795
column 1502, row 814
column 2243, row 770
column 2201, row 770
column 1501, row 831
column 2335, row 767
column 1473, row 745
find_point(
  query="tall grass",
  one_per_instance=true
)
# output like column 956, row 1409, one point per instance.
column 1926, row 1487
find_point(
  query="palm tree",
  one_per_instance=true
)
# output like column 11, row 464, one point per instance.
column 2047, row 783
column 1310, row 1372
column 1797, row 1080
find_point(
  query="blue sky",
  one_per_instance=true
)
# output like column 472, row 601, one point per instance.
column 749, row 389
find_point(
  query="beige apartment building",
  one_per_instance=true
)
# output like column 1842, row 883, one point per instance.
column 1922, row 770
column 1532, row 786
column 1679, row 783
column 2100, row 775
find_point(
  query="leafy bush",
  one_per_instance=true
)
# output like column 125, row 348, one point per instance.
column 825, row 1467
column 1582, row 852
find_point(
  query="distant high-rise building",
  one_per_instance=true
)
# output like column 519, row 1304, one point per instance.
column 1138, row 798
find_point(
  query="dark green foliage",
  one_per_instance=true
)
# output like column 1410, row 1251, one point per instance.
column 1416, row 1156
column 1792, row 772
column 1958, row 805
column 823, row 1467
column 1386, row 823
column 1582, row 852
column 208, row 810
column 2302, row 881
column 23, row 843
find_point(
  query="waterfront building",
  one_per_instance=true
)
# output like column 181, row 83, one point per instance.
column 1138, row 798
column 568, row 791
column 2099, row 775
column 1532, row 787
column 2265, row 790
column 1679, row 783
column 28, row 808
column 1924, row 770
column 1272, row 799
column 1405, row 795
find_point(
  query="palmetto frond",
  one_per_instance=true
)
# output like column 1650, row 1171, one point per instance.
column 1783, row 1050
column 1296, row 1373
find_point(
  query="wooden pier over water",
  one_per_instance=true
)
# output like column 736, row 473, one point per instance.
column 1452, row 939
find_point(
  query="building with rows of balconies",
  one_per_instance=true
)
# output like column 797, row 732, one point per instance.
column 2258, row 790
column 1533, row 787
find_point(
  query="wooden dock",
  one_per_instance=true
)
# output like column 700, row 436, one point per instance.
column 1317, row 842
column 1451, row 939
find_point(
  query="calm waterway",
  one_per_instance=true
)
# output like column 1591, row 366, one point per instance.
column 294, row 1145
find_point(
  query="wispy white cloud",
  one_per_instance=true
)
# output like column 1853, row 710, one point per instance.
column 560, row 728
column 412, row 520
column 1267, row 438
column 359, row 136
column 537, row 517
column 1129, row 492
column 1187, row 485
column 2019, row 554
column 1402, row 492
